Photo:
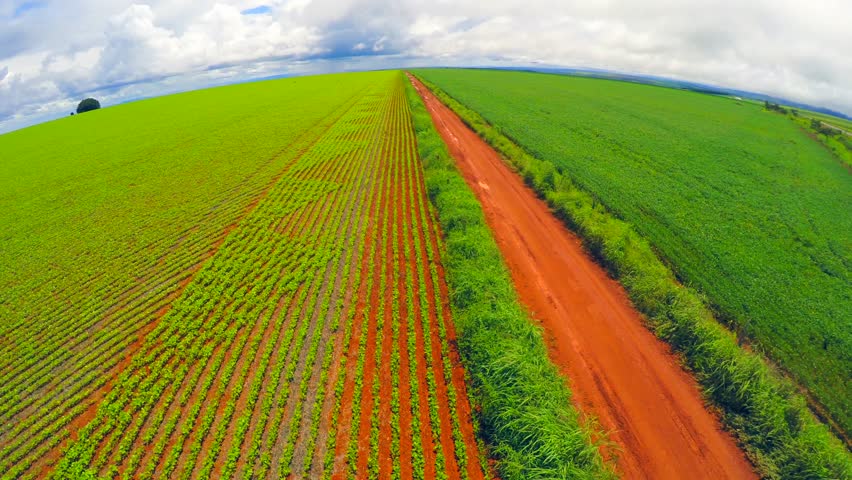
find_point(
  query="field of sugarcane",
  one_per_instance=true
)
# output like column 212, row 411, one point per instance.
column 191, row 288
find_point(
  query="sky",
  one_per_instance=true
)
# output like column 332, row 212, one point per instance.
column 53, row 53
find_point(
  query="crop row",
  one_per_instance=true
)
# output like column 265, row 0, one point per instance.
column 300, row 324
column 90, row 334
column 213, row 297
column 391, row 401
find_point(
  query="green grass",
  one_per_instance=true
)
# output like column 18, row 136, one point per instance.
column 839, row 143
column 742, row 204
column 764, row 411
column 524, row 411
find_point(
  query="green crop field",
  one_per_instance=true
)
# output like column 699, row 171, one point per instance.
column 105, row 215
column 248, row 282
column 291, row 278
column 743, row 204
column 233, row 282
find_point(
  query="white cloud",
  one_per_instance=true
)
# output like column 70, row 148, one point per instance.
column 54, row 54
column 786, row 48
column 379, row 44
column 138, row 48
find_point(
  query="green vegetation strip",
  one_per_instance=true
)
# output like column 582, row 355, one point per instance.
column 524, row 411
column 836, row 138
column 770, row 419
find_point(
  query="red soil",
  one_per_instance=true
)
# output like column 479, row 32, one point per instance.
column 370, row 363
column 363, row 207
column 344, row 423
column 405, row 434
column 619, row 371
column 394, row 281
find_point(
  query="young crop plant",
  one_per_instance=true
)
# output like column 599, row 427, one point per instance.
column 396, row 324
column 237, row 294
column 358, row 387
column 351, row 317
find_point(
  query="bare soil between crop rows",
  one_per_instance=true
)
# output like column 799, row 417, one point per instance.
column 619, row 371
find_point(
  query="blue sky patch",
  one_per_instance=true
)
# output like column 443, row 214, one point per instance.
column 26, row 7
column 259, row 10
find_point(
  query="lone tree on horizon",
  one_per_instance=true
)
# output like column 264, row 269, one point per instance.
column 87, row 105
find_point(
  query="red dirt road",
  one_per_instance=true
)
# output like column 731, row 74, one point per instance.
column 619, row 371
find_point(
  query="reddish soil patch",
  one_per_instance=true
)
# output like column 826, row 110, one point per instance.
column 345, row 420
column 341, row 362
column 405, row 434
column 370, row 366
column 351, row 219
column 363, row 416
column 620, row 372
